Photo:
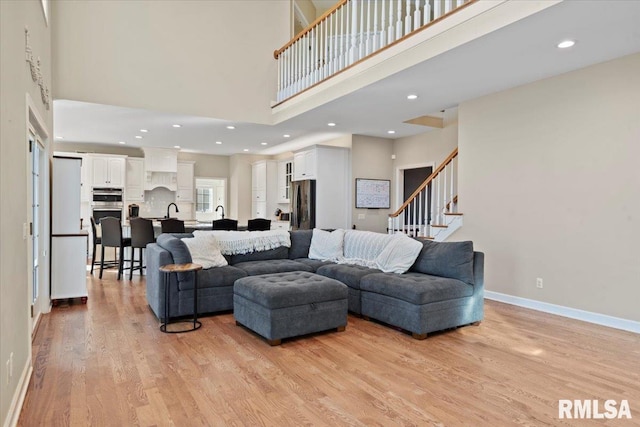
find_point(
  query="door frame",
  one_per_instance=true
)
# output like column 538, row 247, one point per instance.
column 36, row 125
column 399, row 187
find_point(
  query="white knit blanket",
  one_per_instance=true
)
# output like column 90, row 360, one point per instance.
column 244, row 242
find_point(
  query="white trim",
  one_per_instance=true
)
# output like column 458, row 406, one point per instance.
column 18, row 398
column 572, row 313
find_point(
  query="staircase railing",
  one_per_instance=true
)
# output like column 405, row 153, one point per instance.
column 430, row 203
column 351, row 31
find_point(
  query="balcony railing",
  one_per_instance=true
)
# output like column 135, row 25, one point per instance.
column 350, row 32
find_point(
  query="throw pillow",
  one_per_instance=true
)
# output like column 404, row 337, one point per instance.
column 205, row 251
column 399, row 254
column 446, row 259
column 325, row 245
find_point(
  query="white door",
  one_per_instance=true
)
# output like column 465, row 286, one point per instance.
column 36, row 224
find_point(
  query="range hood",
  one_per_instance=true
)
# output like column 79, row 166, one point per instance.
column 161, row 168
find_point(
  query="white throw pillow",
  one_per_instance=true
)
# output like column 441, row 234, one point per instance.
column 325, row 245
column 205, row 251
column 399, row 254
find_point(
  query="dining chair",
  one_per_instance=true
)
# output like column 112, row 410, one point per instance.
column 258, row 224
column 112, row 238
column 172, row 225
column 141, row 234
column 225, row 224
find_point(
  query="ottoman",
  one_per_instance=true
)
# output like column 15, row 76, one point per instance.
column 284, row 305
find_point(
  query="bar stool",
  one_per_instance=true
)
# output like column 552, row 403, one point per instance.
column 112, row 238
column 225, row 224
column 141, row 234
column 172, row 225
column 96, row 241
column 258, row 224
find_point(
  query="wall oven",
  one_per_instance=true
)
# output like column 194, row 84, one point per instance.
column 106, row 202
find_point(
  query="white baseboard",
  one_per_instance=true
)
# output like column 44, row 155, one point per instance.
column 573, row 313
column 18, row 398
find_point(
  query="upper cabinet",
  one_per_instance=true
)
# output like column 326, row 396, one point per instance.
column 285, row 175
column 264, row 189
column 185, row 185
column 134, row 189
column 107, row 171
column 304, row 165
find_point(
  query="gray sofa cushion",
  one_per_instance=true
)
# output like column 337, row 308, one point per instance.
column 300, row 243
column 214, row 278
column 446, row 259
column 179, row 251
column 416, row 288
column 278, row 253
column 350, row 275
column 254, row 268
column 314, row 263
column 289, row 289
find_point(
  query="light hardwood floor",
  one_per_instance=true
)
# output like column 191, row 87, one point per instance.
column 107, row 363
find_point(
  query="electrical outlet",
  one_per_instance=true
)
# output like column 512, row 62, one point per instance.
column 539, row 284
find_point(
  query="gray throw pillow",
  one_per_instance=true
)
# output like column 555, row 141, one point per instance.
column 446, row 259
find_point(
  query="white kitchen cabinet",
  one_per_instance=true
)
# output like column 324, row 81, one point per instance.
column 285, row 173
column 264, row 191
column 185, row 182
column 305, row 165
column 107, row 171
column 134, row 189
column 69, row 267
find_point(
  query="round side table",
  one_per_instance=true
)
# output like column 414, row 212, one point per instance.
column 166, row 271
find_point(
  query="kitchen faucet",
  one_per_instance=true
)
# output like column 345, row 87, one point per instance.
column 177, row 210
column 221, row 207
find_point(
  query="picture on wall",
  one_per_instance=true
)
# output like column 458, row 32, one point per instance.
column 373, row 193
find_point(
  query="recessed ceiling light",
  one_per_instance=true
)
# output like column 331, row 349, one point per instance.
column 246, row 149
column 565, row 44
column 263, row 143
column 412, row 97
column 121, row 142
column 59, row 137
column 286, row 135
column 144, row 130
column 331, row 124
column 391, row 131
column 176, row 146
column 231, row 127
column 177, row 126
column 218, row 142
column 138, row 137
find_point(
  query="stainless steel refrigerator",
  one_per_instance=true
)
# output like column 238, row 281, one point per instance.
column 303, row 205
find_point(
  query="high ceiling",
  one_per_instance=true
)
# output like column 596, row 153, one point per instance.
column 514, row 55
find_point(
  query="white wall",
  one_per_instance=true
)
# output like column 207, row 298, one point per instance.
column 550, row 188
column 15, row 83
column 203, row 58
column 371, row 158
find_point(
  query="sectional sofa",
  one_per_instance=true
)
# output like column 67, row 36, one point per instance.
column 444, row 288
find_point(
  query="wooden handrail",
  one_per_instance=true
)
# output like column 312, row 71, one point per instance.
column 302, row 33
column 426, row 182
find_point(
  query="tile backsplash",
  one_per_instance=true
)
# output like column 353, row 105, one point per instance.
column 156, row 202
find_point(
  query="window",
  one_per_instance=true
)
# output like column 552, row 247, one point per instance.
column 204, row 199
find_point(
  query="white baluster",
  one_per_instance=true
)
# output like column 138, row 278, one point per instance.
column 323, row 49
column 369, row 44
column 417, row 20
column 343, row 47
column 444, row 189
column 451, row 193
column 354, row 32
column 361, row 32
column 390, row 32
column 437, row 9
column 382, row 38
column 399, row 20
column 459, row 3
column 426, row 13
column 375, row 40
column 390, row 225
column 407, row 18
column 448, row 6
column 420, row 217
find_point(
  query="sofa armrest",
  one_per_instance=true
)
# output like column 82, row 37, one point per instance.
column 478, row 272
column 156, row 257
